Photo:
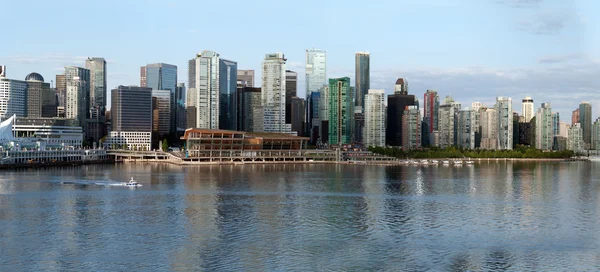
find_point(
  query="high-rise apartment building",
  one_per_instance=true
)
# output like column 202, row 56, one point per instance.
column 131, row 118
column 431, row 106
column 447, row 122
column 291, row 86
column 489, row 128
column 411, row 128
column 544, row 134
column 374, row 129
column 527, row 108
column 316, row 77
column 504, row 114
column 575, row 140
column 340, row 111
column 465, row 131
column 273, row 93
column 246, row 76
column 61, row 95
column 77, row 95
column 228, row 99
column 162, row 76
column 596, row 135
column 585, row 119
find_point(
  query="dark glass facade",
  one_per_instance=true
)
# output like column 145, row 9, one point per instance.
column 397, row 103
column 227, row 94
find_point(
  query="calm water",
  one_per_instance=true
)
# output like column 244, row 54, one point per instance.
column 487, row 217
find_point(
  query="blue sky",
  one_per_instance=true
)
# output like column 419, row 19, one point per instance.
column 473, row 50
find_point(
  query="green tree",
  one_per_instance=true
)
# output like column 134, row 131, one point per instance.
column 165, row 145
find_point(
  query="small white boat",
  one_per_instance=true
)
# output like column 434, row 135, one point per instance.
column 424, row 162
column 469, row 162
column 458, row 162
column 445, row 162
column 132, row 183
column 434, row 162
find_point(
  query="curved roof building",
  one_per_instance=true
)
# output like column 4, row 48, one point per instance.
column 34, row 77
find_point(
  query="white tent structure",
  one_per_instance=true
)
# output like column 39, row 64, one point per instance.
column 6, row 129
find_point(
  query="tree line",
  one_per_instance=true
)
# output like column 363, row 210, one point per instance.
column 453, row 152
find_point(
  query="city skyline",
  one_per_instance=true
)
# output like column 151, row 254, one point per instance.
column 484, row 64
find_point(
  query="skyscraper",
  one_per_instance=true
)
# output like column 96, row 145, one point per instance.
column 97, row 67
column 544, row 135
column 163, row 106
column 397, row 104
column 596, row 135
column 316, row 77
column 340, row 111
column 131, row 117
column 465, row 132
column 77, row 94
column 162, row 76
column 40, row 99
column 527, row 108
column 431, row 106
column 204, row 89
column 273, row 93
column 585, row 119
column 246, row 76
column 61, row 95
column 362, row 77
column 411, row 128
column 13, row 94
column 296, row 110
column 228, row 99
column 489, row 128
column 180, row 100
column 143, row 76
column 374, row 129
column 505, row 122
column 291, row 86
column 575, row 138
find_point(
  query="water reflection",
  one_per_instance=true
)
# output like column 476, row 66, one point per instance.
column 493, row 216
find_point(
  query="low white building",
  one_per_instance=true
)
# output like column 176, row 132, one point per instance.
column 131, row 140
column 41, row 133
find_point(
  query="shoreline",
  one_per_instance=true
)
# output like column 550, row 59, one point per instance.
column 52, row 164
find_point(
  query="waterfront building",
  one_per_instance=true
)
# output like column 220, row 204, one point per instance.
column 227, row 90
column 77, row 95
column 527, row 109
column 431, row 106
column 291, row 86
column 544, row 134
column 340, row 111
column 131, row 115
column 585, row 119
column 273, row 93
column 575, row 140
column 411, row 128
column 40, row 133
column 316, row 77
column 396, row 106
column 504, row 114
column 374, row 129
column 246, row 77
column 489, row 128
column 237, row 146
column 162, row 76
column 163, row 111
